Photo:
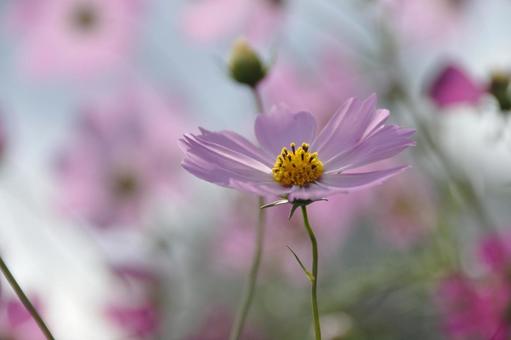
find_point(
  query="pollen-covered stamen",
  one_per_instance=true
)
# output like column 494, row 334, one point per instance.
column 297, row 167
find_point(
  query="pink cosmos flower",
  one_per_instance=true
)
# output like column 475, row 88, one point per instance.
column 135, row 311
column 16, row 322
column 122, row 159
column 474, row 310
column 478, row 308
column 208, row 20
column 426, row 21
column 74, row 37
column 453, row 86
column 293, row 160
column 495, row 253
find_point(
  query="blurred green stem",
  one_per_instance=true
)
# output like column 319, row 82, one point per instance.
column 24, row 299
column 314, row 278
column 258, row 100
column 248, row 295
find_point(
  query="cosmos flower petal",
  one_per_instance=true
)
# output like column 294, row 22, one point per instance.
column 280, row 127
column 222, row 155
column 335, row 121
column 355, row 181
column 312, row 192
column 453, row 86
column 331, row 184
column 218, row 163
column 263, row 189
column 384, row 143
column 348, row 126
column 238, row 143
column 379, row 119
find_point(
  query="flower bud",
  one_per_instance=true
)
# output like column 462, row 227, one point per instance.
column 245, row 66
column 499, row 88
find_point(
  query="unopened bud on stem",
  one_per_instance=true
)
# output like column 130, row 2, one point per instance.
column 245, row 66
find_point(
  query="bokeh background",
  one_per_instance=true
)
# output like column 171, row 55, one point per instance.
column 113, row 240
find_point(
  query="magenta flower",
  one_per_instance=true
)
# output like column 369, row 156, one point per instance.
column 478, row 308
column 495, row 253
column 135, row 312
column 122, row 160
column 474, row 310
column 453, row 86
column 73, row 37
column 208, row 20
column 16, row 322
column 294, row 161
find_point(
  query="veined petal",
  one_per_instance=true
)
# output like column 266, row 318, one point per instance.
column 332, row 184
column 335, row 121
column 219, row 164
column 356, row 181
column 238, row 143
column 379, row 119
column 215, row 174
column 348, row 126
column 222, row 155
column 383, row 143
column 260, row 188
column 282, row 127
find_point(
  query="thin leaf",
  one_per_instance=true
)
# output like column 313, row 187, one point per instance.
column 307, row 273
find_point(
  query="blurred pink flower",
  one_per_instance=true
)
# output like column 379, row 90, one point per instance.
column 320, row 91
column 16, row 323
column 217, row 325
column 208, row 20
column 73, row 37
column 425, row 22
column 122, row 159
column 474, row 310
column 405, row 210
column 478, row 308
column 495, row 253
column 453, row 86
column 135, row 310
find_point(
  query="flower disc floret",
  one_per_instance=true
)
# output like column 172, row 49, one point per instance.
column 297, row 166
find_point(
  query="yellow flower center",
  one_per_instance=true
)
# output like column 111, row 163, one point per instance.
column 297, row 166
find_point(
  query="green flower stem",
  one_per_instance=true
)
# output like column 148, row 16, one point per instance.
column 24, row 299
column 258, row 100
column 314, row 278
column 248, row 295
